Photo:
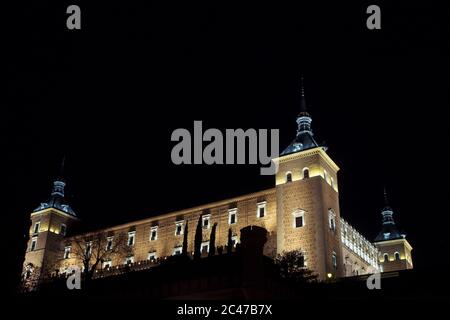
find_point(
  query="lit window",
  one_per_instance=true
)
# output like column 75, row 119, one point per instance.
column 232, row 216
column 178, row 228
column 129, row 260
column 334, row 260
column 301, row 261
column 131, row 238
column 234, row 240
column 332, row 219
column 33, row 244
column 205, row 221
column 36, row 227
column 305, row 173
column 67, row 252
column 88, row 248
column 107, row 264
column 289, row 177
column 154, row 233
column 397, row 256
column 386, row 257
column 205, row 247
column 63, row 229
column 109, row 243
column 299, row 218
column 152, row 256
column 177, row 251
column 261, row 211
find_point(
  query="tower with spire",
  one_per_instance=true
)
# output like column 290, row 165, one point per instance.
column 50, row 222
column 308, row 200
column 394, row 249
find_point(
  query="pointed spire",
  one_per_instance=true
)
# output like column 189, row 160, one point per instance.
column 389, row 230
column 304, row 137
column 303, row 109
column 57, row 199
column 62, row 168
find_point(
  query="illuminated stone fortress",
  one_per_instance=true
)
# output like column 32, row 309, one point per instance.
column 300, row 212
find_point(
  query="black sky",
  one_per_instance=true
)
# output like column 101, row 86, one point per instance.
column 108, row 97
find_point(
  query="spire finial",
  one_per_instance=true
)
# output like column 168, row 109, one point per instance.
column 386, row 202
column 302, row 84
column 302, row 96
column 61, row 169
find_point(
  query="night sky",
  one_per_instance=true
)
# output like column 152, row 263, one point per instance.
column 109, row 96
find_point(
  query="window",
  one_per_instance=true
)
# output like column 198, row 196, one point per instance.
column 397, row 256
column 151, row 256
column 36, row 227
column 386, row 257
column 205, row 221
column 289, row 177
column 67, row 252
column 63, row 229
column 386, row 235
column 261, row 211
column 332, row 182
column 33, row 244
column 232, row 216
column 305, row 173
column 131, row 238
column 234, row 240
column 88, row 248
column 325, row 175
column 301, row 262
column 107, row 264
column 334, row 260
column 205, row 247
column 332, row 219
column 299, row 220
column 178, row 228
column 129, row 260
column 109, row 243
column 153, row 233
column 177, row 251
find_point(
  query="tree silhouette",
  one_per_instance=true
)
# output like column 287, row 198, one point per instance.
column 185, row 240
column 230, row 242
column 212, row 241
column 198, row 239
column 291, row 266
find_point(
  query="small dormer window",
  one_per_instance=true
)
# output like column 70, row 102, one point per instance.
column 289, row 177
column 386, row 235
column 305, row 173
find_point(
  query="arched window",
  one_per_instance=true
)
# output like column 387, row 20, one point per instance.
column 305, row 173
column 289, row 177
column 397, row 256
column 386, row 257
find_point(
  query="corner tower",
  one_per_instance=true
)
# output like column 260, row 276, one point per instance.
column 50, row 222
column 308, row 201
column 394, row 249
